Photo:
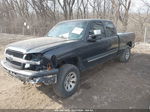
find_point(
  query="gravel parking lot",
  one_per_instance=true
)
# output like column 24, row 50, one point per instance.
column 109, row 85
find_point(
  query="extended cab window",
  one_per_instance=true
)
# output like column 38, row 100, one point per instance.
column 97, row 29
column 110, row 29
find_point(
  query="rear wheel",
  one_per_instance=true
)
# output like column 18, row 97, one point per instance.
column 68, row 81
column 125, row 56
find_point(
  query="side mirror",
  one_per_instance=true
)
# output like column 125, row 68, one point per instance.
column 94, row 34
column 92, row 38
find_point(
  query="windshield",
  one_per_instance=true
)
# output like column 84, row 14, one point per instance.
column 68, row 30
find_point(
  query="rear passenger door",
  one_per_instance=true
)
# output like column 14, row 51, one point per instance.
column 111, row 35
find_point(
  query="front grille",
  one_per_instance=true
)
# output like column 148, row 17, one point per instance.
column 13, row 62
column 14, row 53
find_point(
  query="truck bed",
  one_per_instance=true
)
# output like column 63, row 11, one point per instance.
column 126, row 38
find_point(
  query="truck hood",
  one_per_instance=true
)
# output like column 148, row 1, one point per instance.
column 38, row 44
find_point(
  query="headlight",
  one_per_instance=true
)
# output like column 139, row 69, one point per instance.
column 27, row 66
column 34, row 57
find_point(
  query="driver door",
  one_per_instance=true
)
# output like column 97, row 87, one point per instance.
column 95, row 51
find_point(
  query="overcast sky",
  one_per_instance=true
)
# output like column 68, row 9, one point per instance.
column 137, row 5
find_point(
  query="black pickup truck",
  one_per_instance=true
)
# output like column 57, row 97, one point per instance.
column 68, row 48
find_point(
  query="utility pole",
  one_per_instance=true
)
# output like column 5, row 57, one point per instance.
column 24, row 25
column 145, row 34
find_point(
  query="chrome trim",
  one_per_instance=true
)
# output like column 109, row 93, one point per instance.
column 38, row 80
column 103, row 55
column 12, row 58
column 30, row 73
column 11, row 69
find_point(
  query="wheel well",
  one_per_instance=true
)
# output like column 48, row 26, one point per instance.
column 72, row 60
column 129, row 44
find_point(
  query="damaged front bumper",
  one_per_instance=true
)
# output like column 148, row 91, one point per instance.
column 35, row 77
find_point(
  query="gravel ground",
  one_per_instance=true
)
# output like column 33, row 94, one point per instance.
column 109, row 85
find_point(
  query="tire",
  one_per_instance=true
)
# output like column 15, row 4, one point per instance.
column 125, row 56
column 67, row 73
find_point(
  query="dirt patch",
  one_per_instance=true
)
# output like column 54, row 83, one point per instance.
column 108, row 85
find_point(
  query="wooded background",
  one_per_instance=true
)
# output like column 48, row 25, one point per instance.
column 36, row 17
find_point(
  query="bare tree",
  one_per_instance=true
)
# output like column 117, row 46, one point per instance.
column 78, row 8
column 96, row 8
column 84, row 7
column 115, row 11
column 124, row 13
column 141, row 20
column 67, row 7
column 45, row 13
column 146, row 3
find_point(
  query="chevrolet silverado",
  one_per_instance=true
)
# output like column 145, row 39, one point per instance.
column 68, row 48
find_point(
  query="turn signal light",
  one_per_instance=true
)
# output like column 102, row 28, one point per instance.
column 49, row 67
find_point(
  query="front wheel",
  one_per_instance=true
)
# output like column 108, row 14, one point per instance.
column 125, row 56
column 68, row 81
